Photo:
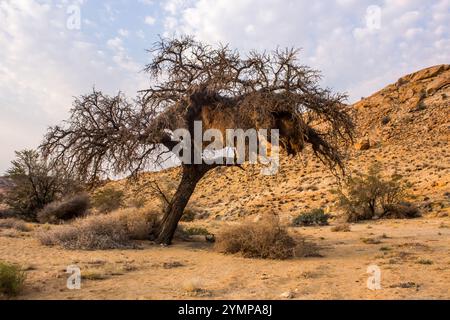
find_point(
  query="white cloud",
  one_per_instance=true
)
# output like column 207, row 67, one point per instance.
column 43, row 65
column 150, row 20
column 335, row 35
column 123, row 32
column 146, row 2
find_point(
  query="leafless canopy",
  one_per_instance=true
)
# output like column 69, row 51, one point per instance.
column 261, row 89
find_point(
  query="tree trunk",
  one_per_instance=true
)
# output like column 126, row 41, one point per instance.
column 192, row 174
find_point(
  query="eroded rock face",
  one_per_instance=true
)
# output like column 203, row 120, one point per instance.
column 419, row 101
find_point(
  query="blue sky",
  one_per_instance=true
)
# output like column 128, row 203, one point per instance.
column 359, row 45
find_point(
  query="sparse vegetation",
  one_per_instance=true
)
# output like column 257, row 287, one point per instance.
column 425, row 261
column 315, row 217
column 367, row 196
column 16, row 224
column 197, row 231
column 108, row 199
column 35, row 184
column 265, row 240
column 116, row 230
column 188, row 216
column 12, row 279
column 371, row 240
column 341, row 227
column 64, row 210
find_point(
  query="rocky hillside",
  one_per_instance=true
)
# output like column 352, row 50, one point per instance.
column 405, row 126
column 416, row 106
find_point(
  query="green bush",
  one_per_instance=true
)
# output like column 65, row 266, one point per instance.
column 366, row 196
column 108, row 199
column 35, row 184
column 197, row 232
column 315, row 217
column 12, row 279
column 64, row 210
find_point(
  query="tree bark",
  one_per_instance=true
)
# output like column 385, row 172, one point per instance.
column 191, row 176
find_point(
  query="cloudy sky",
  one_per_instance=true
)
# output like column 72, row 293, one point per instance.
column 51, row 51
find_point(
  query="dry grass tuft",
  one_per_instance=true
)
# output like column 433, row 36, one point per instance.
column 265, row 239
column 342, row 227
column 12, row 279
column 15, row 224
column 113, row 231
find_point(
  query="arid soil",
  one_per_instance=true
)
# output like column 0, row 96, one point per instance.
column 414, row 258
column 405, row 127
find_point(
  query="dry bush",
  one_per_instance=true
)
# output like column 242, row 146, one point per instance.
column 64, row 210
column 402, row 210
column 12, row 279
column 16, row 224
column 116, row 230
column 265, row 239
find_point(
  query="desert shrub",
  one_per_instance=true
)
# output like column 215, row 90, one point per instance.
column 6, row 213
column 16, row 224
column 116, row 230
column 315, row 217
column 189, row 215
column 137, row 201
column 108, row 199
column 35, row 184
column 197, row 231
column 402, row 210
column 64, row 210
column 12, row 279
column 366, row 196
column 264, row 239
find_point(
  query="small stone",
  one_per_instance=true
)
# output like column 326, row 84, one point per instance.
column 363, row 145
column 287, row 295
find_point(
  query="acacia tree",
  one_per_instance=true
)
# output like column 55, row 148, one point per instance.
column 192, row 82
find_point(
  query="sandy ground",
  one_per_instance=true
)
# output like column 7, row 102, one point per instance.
column 413, row 255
